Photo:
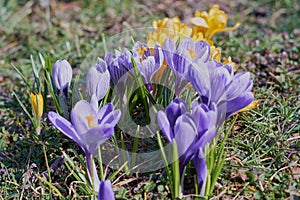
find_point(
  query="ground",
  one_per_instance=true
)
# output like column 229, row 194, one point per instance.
column 263, row 156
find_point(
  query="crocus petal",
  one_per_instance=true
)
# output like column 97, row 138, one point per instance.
column 158, row 55
column 185, row 132
column 198, row 76
column 169, row 50
column 200, row 117
column 176, row 108
column 201, row 170
column 104, row 111
column 238, row 85
column 164, row 125
column 96, row 136
column 112, row 118
column 181, row 62
column 62, row 74
column 105, row 191
column 186, row 44
column 113, row 67
column 199, row 21
column 147, row 68
column 124, row 60
column 94, row 102
column 118, row 64
column 202, row 50
column 65, row 127
column 238, row 103
column 204, row 138
column 219, row 77
column 83, row 116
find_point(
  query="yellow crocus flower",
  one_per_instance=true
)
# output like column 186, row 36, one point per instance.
column 211, row 22
column 168, row 27
column 37, row 103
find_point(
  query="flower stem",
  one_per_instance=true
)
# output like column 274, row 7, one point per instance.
column 135, row 146
column 175, row 170
column 100, row 163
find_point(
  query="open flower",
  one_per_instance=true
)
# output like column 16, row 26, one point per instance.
column 187, row 49
column 191, row 131
column 211, row 23
column 62, row 75
column 179, row 59
column 37, row 103
column 89, row 127
column 147, row 60
column 98, row 79
column 105, row 191
column 168, row 27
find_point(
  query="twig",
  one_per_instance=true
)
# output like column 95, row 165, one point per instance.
column 286, row 167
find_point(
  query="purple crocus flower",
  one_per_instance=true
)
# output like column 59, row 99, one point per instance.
column 217, row 83
column 98, row 79
column 187, row 49
column 191, row 131
column 147, row 60
column 62, row 75
column 118, row 64
column 89, row 127
column 105, row 191
column 180, row 59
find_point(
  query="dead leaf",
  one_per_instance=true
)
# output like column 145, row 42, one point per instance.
column 296, row 172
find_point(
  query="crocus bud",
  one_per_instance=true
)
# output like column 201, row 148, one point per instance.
column 37, row 103
column 98, row 79
column 62, row 74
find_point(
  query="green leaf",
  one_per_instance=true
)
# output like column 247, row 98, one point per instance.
column 122, row 194
column 149, row 186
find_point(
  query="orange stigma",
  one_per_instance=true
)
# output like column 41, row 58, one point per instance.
column 192, row 53
column 142, row 50
column 89, row 119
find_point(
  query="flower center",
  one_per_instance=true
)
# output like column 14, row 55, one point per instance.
column 142, row 50
column 90, row 119
column 192, row 53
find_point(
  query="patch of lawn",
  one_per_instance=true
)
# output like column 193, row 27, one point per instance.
column 262, row 151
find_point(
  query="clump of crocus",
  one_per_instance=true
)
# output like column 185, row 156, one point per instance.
column 148, row 61
column 105, row 191
column 98, row 79
column 89, row 127
column 62, row 75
